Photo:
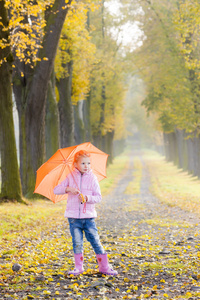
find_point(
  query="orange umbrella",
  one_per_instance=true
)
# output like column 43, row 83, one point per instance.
column 56, row 169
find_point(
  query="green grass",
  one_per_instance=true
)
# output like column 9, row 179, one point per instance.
column 114, row 172
column 16, row 217
column 171, row 185
column 163, row 222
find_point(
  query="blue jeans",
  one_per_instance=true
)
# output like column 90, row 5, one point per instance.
column 77, row 227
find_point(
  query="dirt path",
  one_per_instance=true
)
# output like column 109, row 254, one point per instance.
column 159, row 244
column 154, row 247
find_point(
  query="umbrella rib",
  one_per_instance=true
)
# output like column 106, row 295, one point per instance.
column 99, row 173
column 61, row 154
column 68, row 166
column 61, row 172
column 71, row 154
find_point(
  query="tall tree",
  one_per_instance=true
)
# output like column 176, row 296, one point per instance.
column 107, row 83
column 31, row 92
column 10, row 179
column 74, row 60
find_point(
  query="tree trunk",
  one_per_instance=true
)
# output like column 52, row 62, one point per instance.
column 79, row 132
column 185, row 152
column 10, row 185
column 182, row 149
column 97, row 141
column 194, row 155
column 197, row 156
column 191, row 161
column 86, row 118
column 65, row 107
column 109, row 145
column 51, row 121
column 118, row 146
column 99, row 138
column 35, row 89
column 87, row 103
column 190, row 156
column 166, row 145
column 171, row 148
column 19, row 91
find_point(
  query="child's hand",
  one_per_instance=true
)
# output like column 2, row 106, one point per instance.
column 72, row 190
column 82, row 198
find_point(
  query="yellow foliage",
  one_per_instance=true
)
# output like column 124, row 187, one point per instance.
column 25, row 30
column 165, row 57
column 187, row 21
column 75, row 46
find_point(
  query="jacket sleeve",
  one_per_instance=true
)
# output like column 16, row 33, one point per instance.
column 96, row 192
column 60, row 189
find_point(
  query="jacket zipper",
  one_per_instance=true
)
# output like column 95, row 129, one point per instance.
column 79, row 201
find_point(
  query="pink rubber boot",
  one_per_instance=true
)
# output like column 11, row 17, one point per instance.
column 104, row 266
column 78, row 264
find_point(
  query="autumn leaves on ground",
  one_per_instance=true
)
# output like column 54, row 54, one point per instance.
column 148, row 223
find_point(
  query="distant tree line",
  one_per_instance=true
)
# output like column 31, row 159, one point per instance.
column 169, row 63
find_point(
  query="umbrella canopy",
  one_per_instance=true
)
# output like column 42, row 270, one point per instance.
column 56, row 169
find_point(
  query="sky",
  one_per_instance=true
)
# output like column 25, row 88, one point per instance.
column 130, row 34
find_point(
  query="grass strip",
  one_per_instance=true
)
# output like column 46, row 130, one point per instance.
column 172, row 185
column 134, row 185
column 114, row 173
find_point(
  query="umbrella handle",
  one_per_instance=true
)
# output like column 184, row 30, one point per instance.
column 83, row 199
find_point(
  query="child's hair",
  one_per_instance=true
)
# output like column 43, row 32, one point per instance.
column 79, row 154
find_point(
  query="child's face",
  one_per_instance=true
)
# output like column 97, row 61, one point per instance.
column 83, row 164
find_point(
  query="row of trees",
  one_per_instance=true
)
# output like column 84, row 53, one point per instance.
column 66, row 72
column 169, row 63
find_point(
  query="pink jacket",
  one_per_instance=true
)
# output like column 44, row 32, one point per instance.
column 88, row 185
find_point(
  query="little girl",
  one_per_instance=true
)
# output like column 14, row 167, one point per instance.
column 81, row 212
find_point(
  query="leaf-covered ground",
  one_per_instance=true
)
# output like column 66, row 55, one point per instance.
column 153, row 245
